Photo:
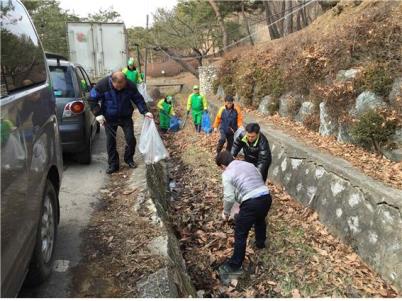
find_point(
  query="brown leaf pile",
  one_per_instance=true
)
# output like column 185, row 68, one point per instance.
column 115, row 255
column 372, row 165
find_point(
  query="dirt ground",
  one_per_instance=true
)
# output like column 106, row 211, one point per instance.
column 114, row 249
column 302, row 260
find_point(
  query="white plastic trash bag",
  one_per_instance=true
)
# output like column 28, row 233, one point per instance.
column 142, row 88
column 238, row 132
column 151, row 144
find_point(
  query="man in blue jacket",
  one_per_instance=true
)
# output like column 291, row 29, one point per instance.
column 112, row 101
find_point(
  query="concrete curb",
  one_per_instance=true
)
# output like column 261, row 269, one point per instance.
column 172, row 280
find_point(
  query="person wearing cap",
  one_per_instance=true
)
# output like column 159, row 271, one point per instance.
column 131, row 72
column 197, row 103
column 165, row 106
column 228, row 120
column 243, row 184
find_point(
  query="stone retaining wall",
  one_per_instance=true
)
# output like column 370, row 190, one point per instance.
column 207, row 74
column 171, row 281
column 363, row 212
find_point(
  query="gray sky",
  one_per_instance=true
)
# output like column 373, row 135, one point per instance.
column 133, row 12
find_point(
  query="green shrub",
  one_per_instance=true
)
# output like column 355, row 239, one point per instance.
column 373, row 130
column 268, row 82
column 376, row 78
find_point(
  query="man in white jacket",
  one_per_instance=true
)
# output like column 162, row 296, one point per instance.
column 243, row 183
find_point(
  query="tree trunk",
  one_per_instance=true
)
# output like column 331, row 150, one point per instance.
column 181, row 62
column 246, row 22
column 289, row 18
column 298, row 21
column 220, row 21
column 281, row 23
column 273, row 30
column 304, row 17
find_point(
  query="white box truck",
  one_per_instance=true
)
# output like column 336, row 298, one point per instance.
column 99, row 47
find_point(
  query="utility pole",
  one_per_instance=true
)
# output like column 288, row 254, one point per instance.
column 146, row 56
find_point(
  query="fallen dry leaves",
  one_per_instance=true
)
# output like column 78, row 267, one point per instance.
column 372, row 165
column 115, row 253
column 302, row 260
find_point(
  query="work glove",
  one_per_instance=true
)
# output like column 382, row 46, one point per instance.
column 225, row 216
column 149, row 115
column 101, row 119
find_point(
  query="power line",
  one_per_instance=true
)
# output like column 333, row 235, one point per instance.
column 237, row 42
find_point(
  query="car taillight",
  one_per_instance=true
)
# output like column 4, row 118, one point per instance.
column 77, row 107
column 73, row 108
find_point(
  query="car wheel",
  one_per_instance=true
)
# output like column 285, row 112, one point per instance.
column 42, row 258
column 85, row 157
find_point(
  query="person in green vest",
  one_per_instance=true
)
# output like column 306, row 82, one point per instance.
column 165, row 106
column 131, row 72
column 197, row 103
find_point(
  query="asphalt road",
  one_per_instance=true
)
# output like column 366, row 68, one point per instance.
column 78, row 198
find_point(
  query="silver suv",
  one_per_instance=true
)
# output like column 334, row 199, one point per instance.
column 31, row 157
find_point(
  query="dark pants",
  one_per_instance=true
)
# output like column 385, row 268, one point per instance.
column 111, row 131
column 228, row 138
column 252, row 212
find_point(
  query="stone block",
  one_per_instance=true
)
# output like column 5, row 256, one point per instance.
column 366, row 101
column 328, row 125
column 306, row 109
column 395, row 96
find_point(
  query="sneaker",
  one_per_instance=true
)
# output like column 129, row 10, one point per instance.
column 228, row 273
column 132, row 165
column 111, row 169
column 258, row 246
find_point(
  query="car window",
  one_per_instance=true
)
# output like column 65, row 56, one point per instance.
column 22, row 60
column 86, row 77
column 84, row 85
column 62, row 81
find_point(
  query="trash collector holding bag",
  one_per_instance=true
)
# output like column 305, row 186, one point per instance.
column 112, row 102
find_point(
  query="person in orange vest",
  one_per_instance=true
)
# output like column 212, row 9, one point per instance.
column 228, row 120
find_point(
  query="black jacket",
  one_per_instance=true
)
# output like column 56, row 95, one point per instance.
column 258, row 153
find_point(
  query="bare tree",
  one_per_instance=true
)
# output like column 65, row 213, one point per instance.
column 272, row 28
column 220, row 21
column 246, row 22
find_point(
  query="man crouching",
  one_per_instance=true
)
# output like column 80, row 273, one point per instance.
column 242, row 183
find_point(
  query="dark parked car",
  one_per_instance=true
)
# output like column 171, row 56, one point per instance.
column 31, row 157
column 77, row 123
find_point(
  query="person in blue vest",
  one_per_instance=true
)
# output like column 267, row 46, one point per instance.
column 112, row 102
column 228, row 120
